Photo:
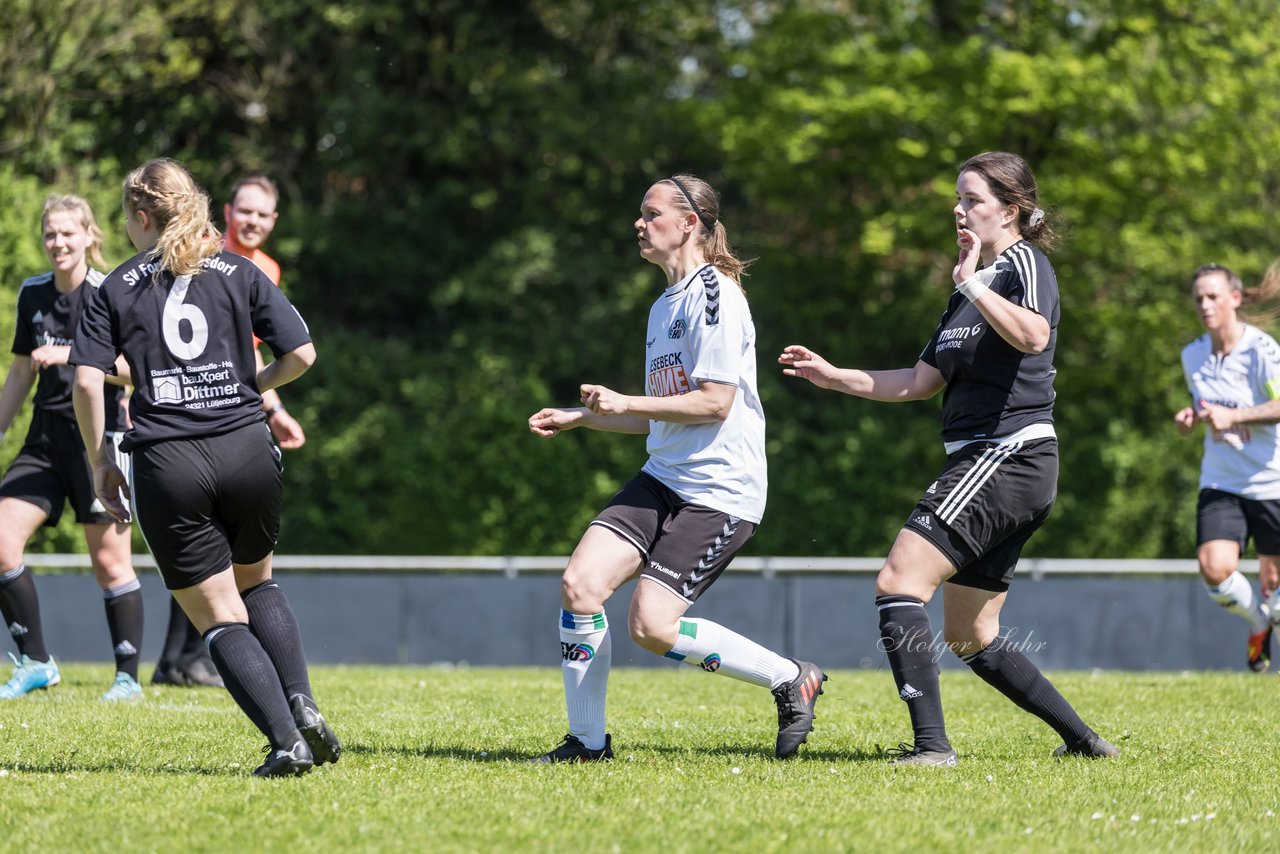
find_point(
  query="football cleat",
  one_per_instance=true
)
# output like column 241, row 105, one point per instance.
column 1092, row 746
column 1260, row 650
column 195, row 670
column 573, row 750
column 286, row 763
column 315, row 730
column 906, row 754
column 124, row 690
column 796, row 701
column 29, row 676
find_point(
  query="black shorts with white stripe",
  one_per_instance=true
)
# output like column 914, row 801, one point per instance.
column 987, row 502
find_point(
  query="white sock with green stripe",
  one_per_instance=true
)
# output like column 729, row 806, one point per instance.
column 586, row 653
column 716, row 649
column 1236, row 595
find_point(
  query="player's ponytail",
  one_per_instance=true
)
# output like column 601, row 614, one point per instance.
column 1260, row 306
column 77, row 205
column 165, row 190
column 696, row 196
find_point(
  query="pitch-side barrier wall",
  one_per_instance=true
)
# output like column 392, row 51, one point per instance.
column 1068, row 614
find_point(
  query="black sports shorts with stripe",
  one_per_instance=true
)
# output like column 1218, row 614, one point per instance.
column 52, row 468
column 1227, row 516
column 987, row 502
column 206, row 503
column 684, row 546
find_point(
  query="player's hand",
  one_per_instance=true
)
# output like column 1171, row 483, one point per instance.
column 550, row 421
column 286, row 430
column 604, row 401
column 970, row 251
column 1185, row 420
column 1220, row 418
column 112, row 488
column 50, row 355
column 799, row 361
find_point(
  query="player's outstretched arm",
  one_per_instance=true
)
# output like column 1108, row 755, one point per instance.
column 17, row 385
column 916, row 383
column 550, row 421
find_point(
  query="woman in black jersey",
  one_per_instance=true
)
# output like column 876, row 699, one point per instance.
column 51, row 468
column 206, row 475
column 993, row 353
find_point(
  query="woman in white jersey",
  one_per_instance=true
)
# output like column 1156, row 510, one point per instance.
column 993, row 353
column 1233, row 374
column 697, row 500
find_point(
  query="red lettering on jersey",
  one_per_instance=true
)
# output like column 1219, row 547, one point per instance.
column 668, row 382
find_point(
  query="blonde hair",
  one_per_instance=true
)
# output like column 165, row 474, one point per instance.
column 696, row 196
column 1259, row 306
column 75, row 204
column 166, row 190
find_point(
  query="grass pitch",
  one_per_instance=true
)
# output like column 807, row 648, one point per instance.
column 433, row 762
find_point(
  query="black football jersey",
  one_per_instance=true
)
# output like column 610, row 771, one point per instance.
column 189, row 343
column 48, row 317
column 993, row 389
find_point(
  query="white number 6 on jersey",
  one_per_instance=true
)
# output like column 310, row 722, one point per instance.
column 176, row 311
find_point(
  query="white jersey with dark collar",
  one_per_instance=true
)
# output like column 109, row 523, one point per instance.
column 700, row 330
column 189, row 343
column 993, row 389
column 1244, row 460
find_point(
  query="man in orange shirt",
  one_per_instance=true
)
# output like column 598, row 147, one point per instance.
column 250, row 217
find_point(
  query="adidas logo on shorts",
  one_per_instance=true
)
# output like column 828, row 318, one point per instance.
column 923, row 521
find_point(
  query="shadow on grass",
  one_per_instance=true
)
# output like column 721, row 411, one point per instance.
column 111, row 766
column 470, row 754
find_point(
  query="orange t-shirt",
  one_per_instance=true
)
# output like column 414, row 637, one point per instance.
column 265, row 263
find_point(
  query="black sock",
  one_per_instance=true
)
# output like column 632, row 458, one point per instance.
column 124, row 621
column 175, row 635
column 21, row 609
column 907, row 640
column 1011, row 673
column 252, row 681
column 272, row 622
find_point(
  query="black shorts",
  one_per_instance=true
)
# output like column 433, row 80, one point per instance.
column 1227, row 516
column 985, row 505
column 685, row 546
column 204, row 504
column 52, row 468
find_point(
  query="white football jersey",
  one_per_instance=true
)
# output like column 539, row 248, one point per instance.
column 1244, row 460
column 700, row 330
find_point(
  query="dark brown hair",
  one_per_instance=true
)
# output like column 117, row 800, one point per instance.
column 1012, row 183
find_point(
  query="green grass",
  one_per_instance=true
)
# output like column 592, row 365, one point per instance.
column 432, row 762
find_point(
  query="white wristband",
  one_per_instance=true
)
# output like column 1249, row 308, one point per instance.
column 979, row 283
column 973, row 288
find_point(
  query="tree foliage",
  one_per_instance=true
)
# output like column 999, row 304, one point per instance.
column 459, row 184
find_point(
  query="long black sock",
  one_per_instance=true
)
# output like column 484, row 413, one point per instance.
column 124, row 621
column 274, row 625
column 20, row 606
column 907, row 640
column 252, row 681
column 175, row 635
column 1011, row 673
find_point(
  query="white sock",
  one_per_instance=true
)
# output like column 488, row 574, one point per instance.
column 586, row 653
column 1236, row 595
column 716, row 649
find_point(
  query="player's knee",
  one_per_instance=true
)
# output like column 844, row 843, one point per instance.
column 579, row 594
column 655, row 635
column 1216, row 571
column 113, row 573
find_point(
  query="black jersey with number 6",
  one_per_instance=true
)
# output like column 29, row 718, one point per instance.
column 189, row 343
